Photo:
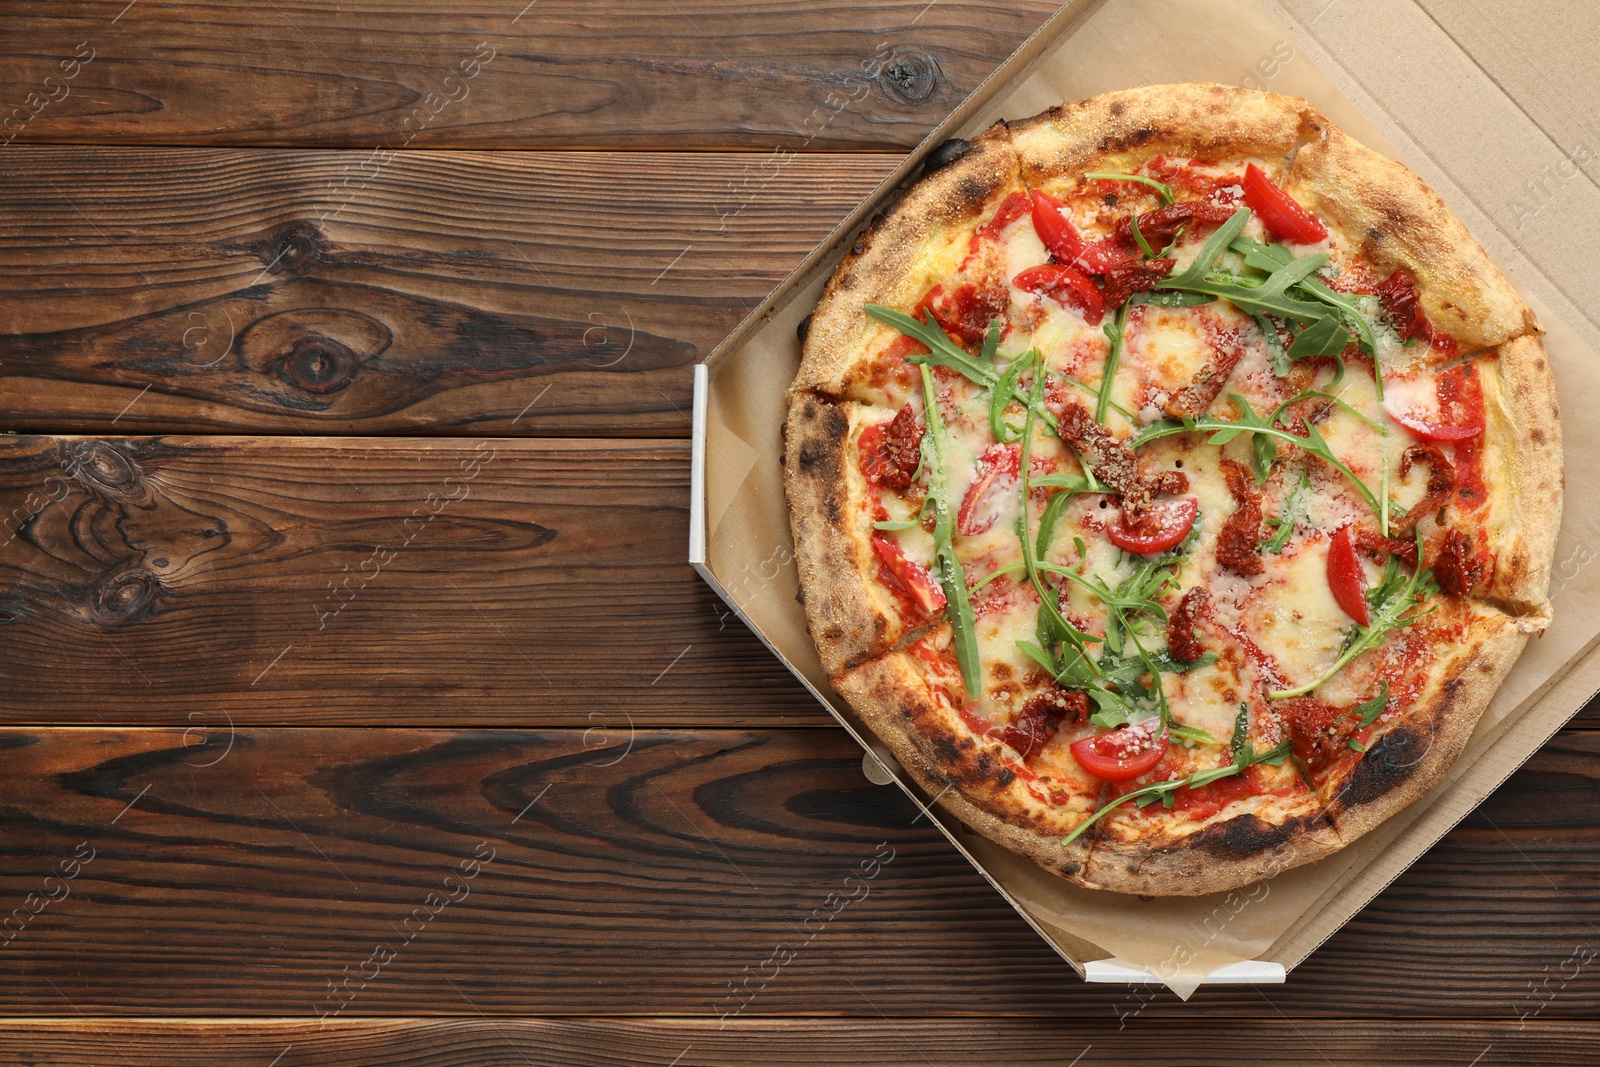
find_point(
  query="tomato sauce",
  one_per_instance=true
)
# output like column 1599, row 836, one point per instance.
column 1461, row 403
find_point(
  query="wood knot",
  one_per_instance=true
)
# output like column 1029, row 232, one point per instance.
column 315, row 351
column 318, row 365
column 293, row 249
column 126, row 596
column 103, row 468
column 912, row 74
column 14, row 608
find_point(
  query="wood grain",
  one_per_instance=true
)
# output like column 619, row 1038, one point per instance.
column 513, row 74
column 307, row 580
column 364, row 582
column 260, row 872
column 477, row 1042
column 285, row 292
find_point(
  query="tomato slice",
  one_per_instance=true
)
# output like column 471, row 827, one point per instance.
column 1164, row 524
column 1067, row 285
column 1055, row 229
column 1349, row 585
column 1407, row 403
column 998, row 465
column 912, row 577
column 1280, row 214
column 1123, row 753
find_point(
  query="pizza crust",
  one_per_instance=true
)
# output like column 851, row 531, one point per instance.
column 962, row 773
column 1122, row 131
column 1524, row 461
column 1222, row 855
column 850, row 615
column 1403, row 223
column 897, row 259
column 1414, row 754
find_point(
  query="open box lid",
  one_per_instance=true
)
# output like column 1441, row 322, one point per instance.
column 740, row 540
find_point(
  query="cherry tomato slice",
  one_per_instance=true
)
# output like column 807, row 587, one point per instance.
column 1067, row 285
column 1404, row 407
column 997, row 467
column 1121, row 754
column 1054, row 228
column 1349, row 585
column 1164, row 524
column 1280, row 214
column 912, row 577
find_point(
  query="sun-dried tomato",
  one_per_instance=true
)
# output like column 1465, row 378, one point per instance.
column 1161, row 225
column 1195, row 398
column 1441, row 482
column 1239, row 542
column 966, row 313
column 1398, row 294
column 1381, row 548
column 1039, row 719
column 1136, row 275
column 1312, row 729
column 1183, row 637
column 1458, row 568
column 890, row 453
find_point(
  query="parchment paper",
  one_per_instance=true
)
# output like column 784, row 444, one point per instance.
column 1118, row 44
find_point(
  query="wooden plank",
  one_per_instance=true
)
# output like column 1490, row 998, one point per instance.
column 516, row 74
column 299, row 292
column 477, row 1042
column 324, row 873
column 304, row 580
column 522, row 582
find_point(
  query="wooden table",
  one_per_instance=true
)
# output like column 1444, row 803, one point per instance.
column 359, row 704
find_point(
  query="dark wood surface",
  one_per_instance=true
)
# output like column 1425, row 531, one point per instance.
column 299, row 292
column 478, row 1042
column 236, row 871
column 511, row 74
column 342, row 550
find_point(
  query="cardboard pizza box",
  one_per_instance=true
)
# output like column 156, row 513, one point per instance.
column 1508, row 155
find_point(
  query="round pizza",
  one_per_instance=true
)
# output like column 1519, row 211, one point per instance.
column 1173, row 482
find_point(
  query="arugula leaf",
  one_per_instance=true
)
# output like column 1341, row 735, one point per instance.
column 1058, row 504
column 1209, row 252
column 1059, row 628
column 1390, row 607
column 1003, row 391
column 1241, row 731
column 1253, row 297
column 1294, row 511
column 943, row 352
column 1144, row 245
column 1114, row 331
column 1370, row 710
column 958, row 606
column 1275, row 350
column 1269, row 258
column 1165, row 792
column 1222, row 431
column 1010, row 568
column 1189, row 736
column 1162, row 189
column 1325, row 337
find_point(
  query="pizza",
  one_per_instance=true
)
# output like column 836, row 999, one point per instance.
column 1173, row 481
